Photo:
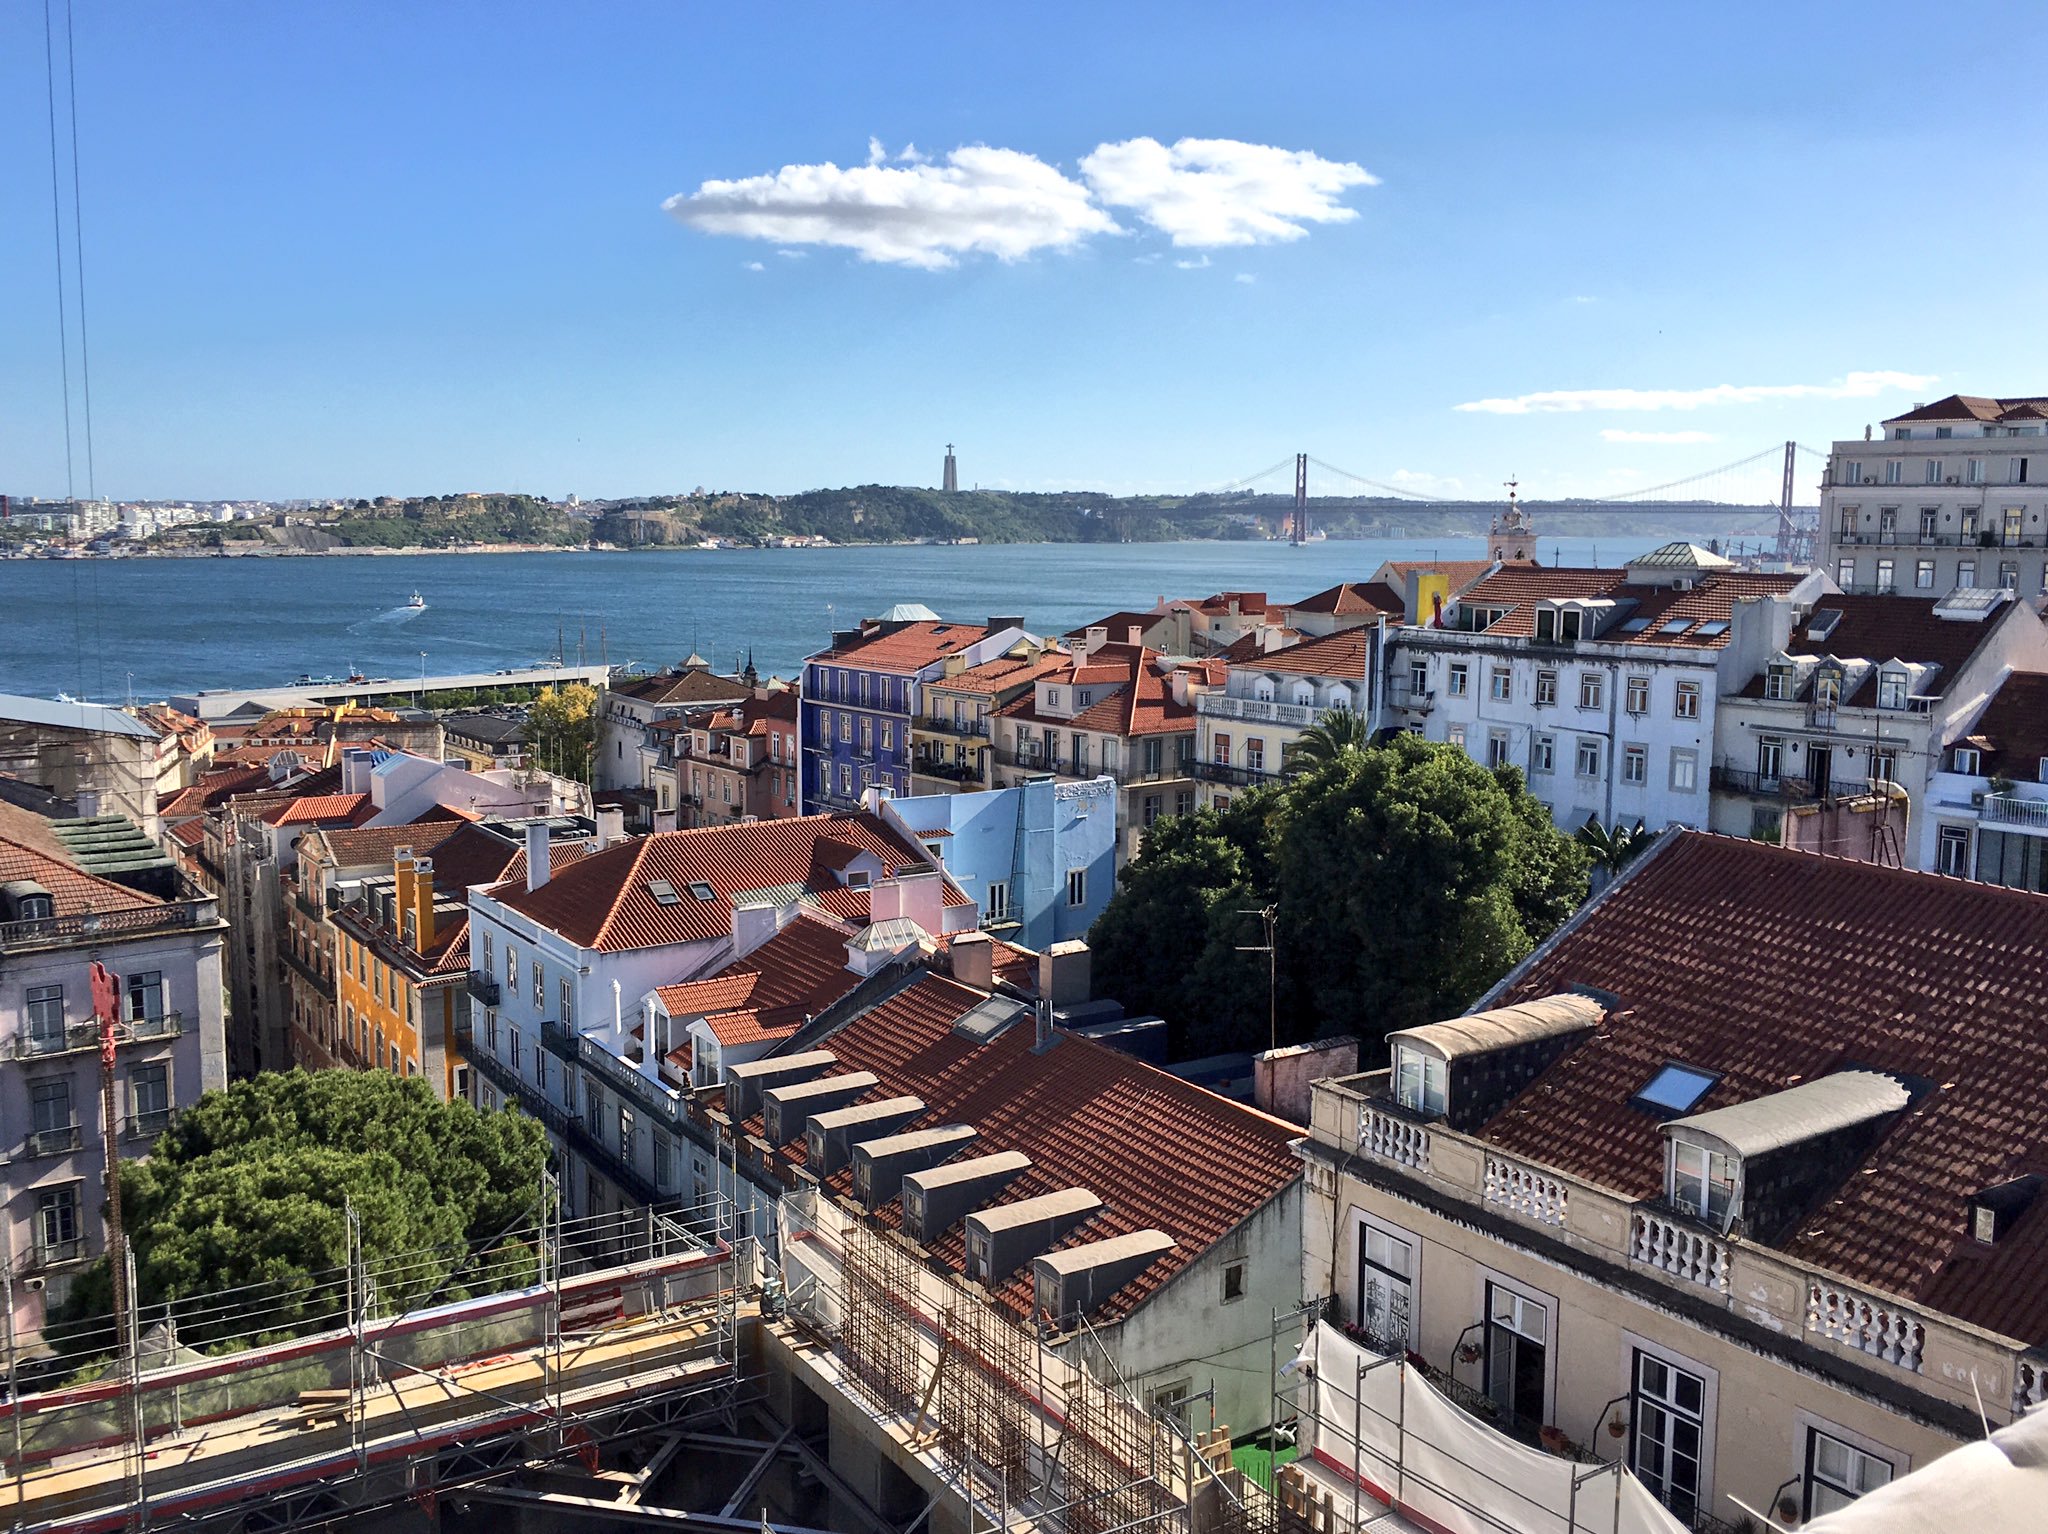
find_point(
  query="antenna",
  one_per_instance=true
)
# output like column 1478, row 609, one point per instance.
column 1269, row 916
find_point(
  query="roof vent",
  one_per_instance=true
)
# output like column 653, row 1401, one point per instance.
column 1994, row 1211
column 1823, row 623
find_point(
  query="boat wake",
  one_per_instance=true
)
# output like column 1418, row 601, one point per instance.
column 399, row 614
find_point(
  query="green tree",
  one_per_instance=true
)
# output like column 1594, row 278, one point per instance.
column 562, row 724
column 249, row 1191
column 1613, row 848
column 1338, row 731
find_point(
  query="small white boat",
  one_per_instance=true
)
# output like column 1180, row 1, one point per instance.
column 417, row 601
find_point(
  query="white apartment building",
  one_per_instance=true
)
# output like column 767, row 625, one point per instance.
column 1950, row 494
column 1837, row 744
column 1245, row 728
column 1601, row 685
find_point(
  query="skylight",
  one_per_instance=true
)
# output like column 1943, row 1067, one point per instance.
column 1674, row 1090
column 664, row 893
column 1714, row 630
column 703, row 891
column 1676, row 626
column 1635, row 625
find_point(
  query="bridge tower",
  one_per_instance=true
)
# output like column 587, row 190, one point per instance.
column 1788, row 531
column 1298, row 522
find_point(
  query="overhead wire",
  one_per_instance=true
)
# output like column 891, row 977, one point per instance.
column 63, row 323
column 92, row 487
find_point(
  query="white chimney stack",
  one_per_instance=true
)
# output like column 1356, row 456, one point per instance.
column 611, row 827
column 618, row 1020
column 536, row 855
column 650, row 1057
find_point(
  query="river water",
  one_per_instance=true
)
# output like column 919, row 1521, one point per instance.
column 147, row 628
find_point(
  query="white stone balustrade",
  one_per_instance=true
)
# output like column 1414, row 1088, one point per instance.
column 1844, row 1316
column 1393, row 1139
column 1679, row 1250
column 1529, row 1193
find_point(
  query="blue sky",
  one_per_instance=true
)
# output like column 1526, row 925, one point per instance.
column 398, row 248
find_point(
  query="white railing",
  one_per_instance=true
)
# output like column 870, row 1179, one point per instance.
column 1393, row 1139
column 1224, row 706
column 1679, row 1250
column 2029, row 1385
column 2011, row 810
column 1844, row 1316
column 1529, row 1193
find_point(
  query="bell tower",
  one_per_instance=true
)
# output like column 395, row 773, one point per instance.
column 1512, row 537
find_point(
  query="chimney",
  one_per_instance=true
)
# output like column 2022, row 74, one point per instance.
column 974, row 960
column 423, row 904
column 537, row 872
column 885, row 900
column 1177, row 678
column 922, row 898
column 753, row 925
column 402, row 895
column 1134, row 635
column 998, row 624
column 1063, row 978
column 650, row 1057
column 611, row 827
column 1097, row 637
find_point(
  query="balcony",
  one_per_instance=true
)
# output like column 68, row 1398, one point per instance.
column 957, row 729
column 323, row 984
column 1417, row 700
column 1256, row 710
column 147, row 1126
column 1032, row 761
column 484, row 988
column 55, row 1254
column 92, row 927
column 566, row 1127
column 1775, row 785
column 149, row 1030
column 2012, row 811
column 1236, row 777
column 70, row 1039
column 61, row 1141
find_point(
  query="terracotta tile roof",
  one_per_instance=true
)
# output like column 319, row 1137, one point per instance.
column 692, row 686
column 1158, row 1151
column 1352, row 599
column 1461, row 572
column 189, row 833
column 1520, row 587
column 1347, row 654
column 1975, row 407
column 1250, row 604
column 905, row 647
column 29, row 849
column 774, row 990
column 375, row 845
column 852, row 905
column 603, row 902
column 212, row 787
column 1006, row 671
column 347, row 808
column 2012, row 733
column 1882, row 628
column 1119, row 625
column 1142, row 703
column 1776, row 967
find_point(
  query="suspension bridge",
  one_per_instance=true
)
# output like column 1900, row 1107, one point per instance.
column 1779, row 482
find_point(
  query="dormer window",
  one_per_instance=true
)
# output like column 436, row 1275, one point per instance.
column 1052, row 697
column 35, row 908
column 1779, row 683
column 1827, row 689
column 1546, row 623
column 1703, row 1182
column 1421, row 1080
column 1891, row 689
column 1967, row 759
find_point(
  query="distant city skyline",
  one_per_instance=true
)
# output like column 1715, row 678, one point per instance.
column 397, row 251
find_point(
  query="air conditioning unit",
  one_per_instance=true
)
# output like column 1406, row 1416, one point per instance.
column 1951, row 480
column 1868, row 480
column 34, row 1285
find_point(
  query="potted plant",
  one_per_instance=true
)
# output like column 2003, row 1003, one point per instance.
column 1616, row 1428
column 1555, row 1441
column 1468, row 1352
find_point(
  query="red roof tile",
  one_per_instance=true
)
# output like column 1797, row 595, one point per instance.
column 347, row 808
column 1975, row 407
column 1776, row 967
column 1519, row 588
column 1361, row 599
column 906, row 646
column 775, row 989
column 1346, row 653
column 1159, row 1152
column 30, row 850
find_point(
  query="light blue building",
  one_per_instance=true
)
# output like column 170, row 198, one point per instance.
column 1039, row 858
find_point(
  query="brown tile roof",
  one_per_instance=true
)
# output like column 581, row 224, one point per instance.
column 1159, row 1152
column 906, row 646
column 1353, row 599
column 1975, row 407
column 1006, row 671
column 1777, row 967
column 1346, row 653
column 774, row 990
column 603, row 902
column 1142, row 703
column 351, row 809
column 1462, row 572
column 211, row 789
column 1120, row 625
column 375, row 845
column 29, row 849
column 2012, row 733
column 1882, row 628
column 1520, row 587
column 692, row 686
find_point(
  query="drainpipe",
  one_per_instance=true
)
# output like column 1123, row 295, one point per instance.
column 1378, row 676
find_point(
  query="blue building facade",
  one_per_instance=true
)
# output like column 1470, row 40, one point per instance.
column 1039, row 858
column 859, row 697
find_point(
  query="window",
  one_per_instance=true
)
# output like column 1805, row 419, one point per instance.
column 1184, row 801
column 1973, row 472
column 512, row 970
column 664, row 1162
column 1952, row 852
column 2019, row 471
column 1845, row 573
column 512, row 1046
column 57, row 1223
column 1669, row 1417
column 1779, row 683
column 1702, row 1182
column 1170, row 1401
column 1687, row 703
column 45, row 1013
column 1635, row 764
column 1637, row 696
column 1418, row 676
column 145, row 996
column 997, row 906
column 1546, row 688
column 888, row 736
column 1543, row 754
column 1497, row 748
column 1966, row 760
column 2008, row 575
column 845, row 781
column 1500, row 684
column 867, row 736
column 1891, row 689
column 568, row 1005
column 1923, row 575
column 1589, row 758
column 1421, row 1080
column 1966, row 572
column 1233, row 1282
column 1386, row 1268
column 1255, row 753
column 1685, row 770
column 1674, row 1090
column 1461, row 679
column 1153, row 807
column 1837, row 1473
column 846, row 728
column 50, row 1106
column 1517, row 1329
column 1077, row 886
column 1930, row 520
column 1893, row 471
column 1592, row 689
column 540, row 986
column 1886, row 574
column 1456, row 735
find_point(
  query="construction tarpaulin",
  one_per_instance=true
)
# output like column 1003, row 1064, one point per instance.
column 1378, row 1419
column 2000, row 1483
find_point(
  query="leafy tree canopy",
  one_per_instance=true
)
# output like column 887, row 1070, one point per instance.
column 1407, row 880
column 562, row 724
column 250, row 1189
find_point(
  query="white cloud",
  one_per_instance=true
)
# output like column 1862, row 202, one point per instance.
column 1246, row 277
column 998, row 202
column 1855, row 386
column 792, row 255
column 1221, row 191
column 1618, row 434
column 1426, row 483
column 1193, row 264
column 755, row 266
column 1584, row 298
column 877, row 152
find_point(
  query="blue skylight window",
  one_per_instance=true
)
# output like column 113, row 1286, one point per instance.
column 1714, row 630
column 1635, row 625
column 1674, row 1089
column 1676, row 626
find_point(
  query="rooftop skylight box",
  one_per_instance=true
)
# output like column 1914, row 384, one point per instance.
column 1674, row 1090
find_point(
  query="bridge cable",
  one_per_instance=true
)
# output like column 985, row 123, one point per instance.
column 1394, row 490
